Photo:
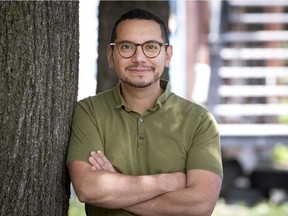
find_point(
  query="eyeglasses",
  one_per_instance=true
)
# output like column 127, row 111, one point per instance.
column 151, row 49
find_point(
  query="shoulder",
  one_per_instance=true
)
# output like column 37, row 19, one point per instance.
column 100, row 98
column 97, row 104
column 186, row 106
column 190, row 112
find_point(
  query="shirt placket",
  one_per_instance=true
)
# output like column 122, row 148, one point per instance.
column 141, row 137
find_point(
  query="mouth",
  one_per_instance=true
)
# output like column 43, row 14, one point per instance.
column 140, row 69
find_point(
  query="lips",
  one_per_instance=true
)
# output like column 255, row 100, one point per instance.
column 139, row 69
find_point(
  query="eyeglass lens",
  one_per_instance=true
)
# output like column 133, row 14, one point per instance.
column 128, row 49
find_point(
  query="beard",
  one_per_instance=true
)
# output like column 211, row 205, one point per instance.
column 141, row 83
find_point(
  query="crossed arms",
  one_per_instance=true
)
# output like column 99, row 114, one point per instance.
column 98, row 183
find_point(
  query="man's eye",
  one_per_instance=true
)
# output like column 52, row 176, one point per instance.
column 126, row 46
column 152, row 46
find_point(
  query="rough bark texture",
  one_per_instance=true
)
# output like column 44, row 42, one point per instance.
column 109, row 11
column 38, row 91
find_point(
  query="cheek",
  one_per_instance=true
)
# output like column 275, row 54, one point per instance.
column 119, row 67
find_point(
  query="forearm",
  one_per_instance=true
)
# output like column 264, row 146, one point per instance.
column 198, row 199
column 182, row 202
column 115, row 190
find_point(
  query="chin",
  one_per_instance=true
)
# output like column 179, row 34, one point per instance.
column 140, row 81
column 139, row 84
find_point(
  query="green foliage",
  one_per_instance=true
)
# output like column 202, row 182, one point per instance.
column 281, row 154
column 283, row 119
column 266, row 209
column 76, row 208
column 262, row 209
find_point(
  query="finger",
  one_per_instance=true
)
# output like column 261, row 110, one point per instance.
column 104, row 162
column 103, row 157
column 92, row 161
column 95, row 159
column 93, row 154
column 94, row 165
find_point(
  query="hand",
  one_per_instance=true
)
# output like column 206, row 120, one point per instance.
column 99, row 162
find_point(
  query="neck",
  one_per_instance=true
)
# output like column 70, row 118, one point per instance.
column 141, row 99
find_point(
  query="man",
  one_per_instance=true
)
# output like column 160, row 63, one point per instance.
column 139, row 149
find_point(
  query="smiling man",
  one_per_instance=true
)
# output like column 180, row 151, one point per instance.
column 139, row 149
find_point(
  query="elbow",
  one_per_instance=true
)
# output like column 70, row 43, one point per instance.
column 200, row 212
column 96, row 200
column 90, row 186
column 94, row 195
column 83, row 197
column 200, row 209
column 84, row 194
column 205, row 210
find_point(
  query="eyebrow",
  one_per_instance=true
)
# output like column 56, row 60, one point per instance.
column 150, row 41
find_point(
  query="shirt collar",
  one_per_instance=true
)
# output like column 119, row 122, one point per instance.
column 159, row 103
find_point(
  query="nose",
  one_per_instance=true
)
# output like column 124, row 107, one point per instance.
column 139, row 55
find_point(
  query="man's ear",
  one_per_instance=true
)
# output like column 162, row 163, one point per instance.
column 110, row 57
column 169, row 53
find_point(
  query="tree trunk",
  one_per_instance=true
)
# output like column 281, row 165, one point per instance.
column 109, row 11
column 38, row 91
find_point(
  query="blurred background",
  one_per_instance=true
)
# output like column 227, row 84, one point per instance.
column 232, row 58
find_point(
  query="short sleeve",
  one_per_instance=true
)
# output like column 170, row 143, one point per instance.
column 84, row 136
column 205, row 152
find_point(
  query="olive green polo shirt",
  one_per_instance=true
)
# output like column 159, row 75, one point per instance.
column 176, row 135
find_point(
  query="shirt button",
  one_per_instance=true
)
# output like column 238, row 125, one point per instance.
column 141, row 137
column 141, row 120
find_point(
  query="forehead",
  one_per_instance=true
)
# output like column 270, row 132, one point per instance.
column 137, row 30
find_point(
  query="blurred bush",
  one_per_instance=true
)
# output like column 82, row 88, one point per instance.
column 280, row 154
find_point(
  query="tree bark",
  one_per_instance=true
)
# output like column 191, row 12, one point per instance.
column 109, row 11
column 38, row 91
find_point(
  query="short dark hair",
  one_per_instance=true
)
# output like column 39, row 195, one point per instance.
column 140, row 14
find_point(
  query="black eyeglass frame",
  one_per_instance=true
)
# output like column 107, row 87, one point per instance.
column 136, row 45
